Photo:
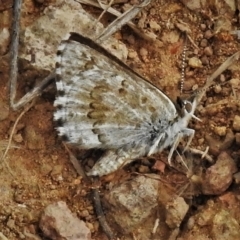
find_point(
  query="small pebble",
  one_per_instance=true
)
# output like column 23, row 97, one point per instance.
column 236, row 177
column 90, row 226
column 56, row 173
column 208, row 51
column 90, row 163
column 143, row 52
column 190, row 223
column 46, row 169
column 217, row 88
column 235, row 82
column 208, row 34
column 204, row 43
column 236, row 123
column 220, row 131
column 132, row 54
column 228, row 141
column 152, row 11
column 222, row 78
column 96, row 225
column 154, row 25
column 131, row 39
column 195, row 87
column 205, row 60
column 188, row 84
column 18, row 138
column 84, row 213
column 237, row 135
column 143, row 169
column 203, row 26
column 4, row 40
column 195, row 62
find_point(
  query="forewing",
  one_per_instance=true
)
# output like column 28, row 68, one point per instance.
column 101, row 103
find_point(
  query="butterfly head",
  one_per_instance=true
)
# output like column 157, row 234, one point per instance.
column 187, row 107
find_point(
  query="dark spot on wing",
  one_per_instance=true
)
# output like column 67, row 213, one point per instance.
column 61, row 93
column 122, row 91
column 65, row 138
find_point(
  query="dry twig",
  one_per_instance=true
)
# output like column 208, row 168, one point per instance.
column 14, row 67
column 122, row 20
column 221, row 68
column 100, row 214
column 145, row 35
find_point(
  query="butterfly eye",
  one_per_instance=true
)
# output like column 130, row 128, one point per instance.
column 188, row 107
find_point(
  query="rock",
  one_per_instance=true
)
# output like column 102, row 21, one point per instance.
column 131, row 202
column 59, row 223
column 176, row 211
column 216, row 220
column 219, row 176
column 225, row 226
column 57, row 21
column 236, row 123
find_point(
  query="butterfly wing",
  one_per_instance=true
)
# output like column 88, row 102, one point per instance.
column 101, row 102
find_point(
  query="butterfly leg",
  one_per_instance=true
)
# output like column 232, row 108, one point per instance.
column 155, row 145
column 174, row 146
column 188, row 132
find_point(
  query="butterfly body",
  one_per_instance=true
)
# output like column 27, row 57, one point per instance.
column 103, row 104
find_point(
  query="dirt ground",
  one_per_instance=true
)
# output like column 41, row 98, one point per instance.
column 36, row 170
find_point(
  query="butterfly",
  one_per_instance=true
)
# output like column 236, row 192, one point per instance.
column 103, row 104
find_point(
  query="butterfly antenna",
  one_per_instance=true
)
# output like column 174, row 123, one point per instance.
column 183, row 65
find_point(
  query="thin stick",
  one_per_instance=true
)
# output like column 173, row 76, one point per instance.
column 3, row 158
column 222, row 68
column 36, row 91
column 14, row 66
column 122, row 20
column 14, row 49
column 105, row 9
column 145, row 35
column 100, row 214
column 76, row 164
